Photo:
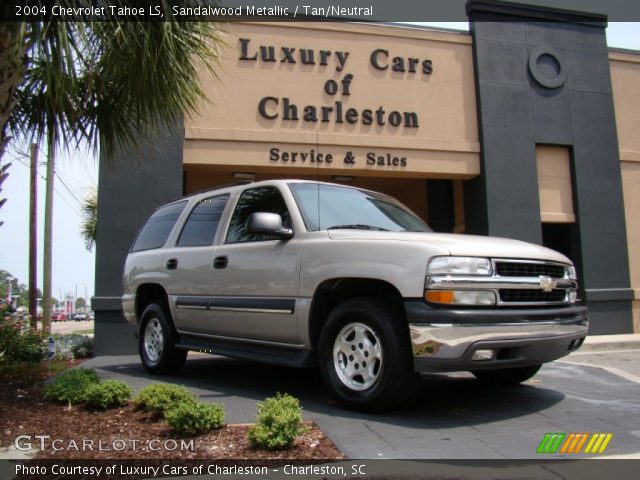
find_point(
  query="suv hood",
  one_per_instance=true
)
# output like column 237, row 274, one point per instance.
column 458, row 244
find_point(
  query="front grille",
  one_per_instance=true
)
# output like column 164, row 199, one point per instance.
column 517, row 269
column 523, row 295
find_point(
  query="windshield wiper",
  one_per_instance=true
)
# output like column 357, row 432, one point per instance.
column 357, row 226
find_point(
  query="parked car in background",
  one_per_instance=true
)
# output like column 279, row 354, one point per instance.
column 58, row 317
column 78, row 317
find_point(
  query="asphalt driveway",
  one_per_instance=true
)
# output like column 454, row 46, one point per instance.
column 449, row 417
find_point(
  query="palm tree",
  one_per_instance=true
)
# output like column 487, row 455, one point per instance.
column 104, row 83
column 89, row 220
column 46, row 110
column 11, row 72
column 4, row 173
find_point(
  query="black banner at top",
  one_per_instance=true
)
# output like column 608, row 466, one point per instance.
column 288, row 10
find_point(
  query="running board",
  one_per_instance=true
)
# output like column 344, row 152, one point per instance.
column 288, row 357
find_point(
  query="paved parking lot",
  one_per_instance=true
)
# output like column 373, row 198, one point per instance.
column 70, row 326
column 449, row 417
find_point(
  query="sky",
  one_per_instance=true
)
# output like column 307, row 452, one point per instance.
column 73, row 265
column 77, row 177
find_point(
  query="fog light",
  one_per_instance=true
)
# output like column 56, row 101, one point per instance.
column 464, row 297
column 480, row 355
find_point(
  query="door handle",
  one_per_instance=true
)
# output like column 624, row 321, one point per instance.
column 172, row 264
column 220, row 262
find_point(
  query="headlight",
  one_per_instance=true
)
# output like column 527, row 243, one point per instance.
column 459, row 266
column 573, row 296
column 571, row 272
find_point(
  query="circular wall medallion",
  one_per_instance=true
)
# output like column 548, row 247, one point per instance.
column 546, row 67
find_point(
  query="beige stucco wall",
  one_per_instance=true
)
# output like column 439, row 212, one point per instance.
column 625, row 79
column 554, row 184
column 230, row 133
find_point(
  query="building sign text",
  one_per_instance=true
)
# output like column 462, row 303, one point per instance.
column 272, row 107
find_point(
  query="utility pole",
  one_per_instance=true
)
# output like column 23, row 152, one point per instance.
column 33, row 237
column 48, row 234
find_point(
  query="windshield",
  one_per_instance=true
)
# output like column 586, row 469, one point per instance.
column 327, row 207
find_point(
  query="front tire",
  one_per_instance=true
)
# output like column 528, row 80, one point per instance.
column 506, row 376
column 156, row 342
column 365, row 355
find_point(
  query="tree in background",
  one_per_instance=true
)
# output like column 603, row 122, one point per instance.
column 106, row 84
column 18, row 289
column 81, row 304
column 89, row 220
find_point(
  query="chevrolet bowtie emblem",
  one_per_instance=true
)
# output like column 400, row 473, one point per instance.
column 547, row 283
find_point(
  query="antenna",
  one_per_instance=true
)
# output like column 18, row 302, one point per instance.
column 318, row 175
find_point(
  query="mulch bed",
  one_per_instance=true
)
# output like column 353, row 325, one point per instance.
column 126, row 433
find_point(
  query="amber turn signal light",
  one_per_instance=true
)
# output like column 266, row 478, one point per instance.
column 439, row 296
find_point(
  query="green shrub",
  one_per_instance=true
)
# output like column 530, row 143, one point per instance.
column 18, row 343
column 161, row 397
column 195, row 418
column 108, row 394
column 279, row 423
column 84, row 348
column 72, row 385
column 73, row 345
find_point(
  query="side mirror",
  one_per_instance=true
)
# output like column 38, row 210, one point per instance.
column 264, row 223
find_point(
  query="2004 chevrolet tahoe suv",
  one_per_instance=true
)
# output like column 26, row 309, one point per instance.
column 303, row 273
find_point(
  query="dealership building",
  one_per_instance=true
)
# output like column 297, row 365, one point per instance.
column 525, row 127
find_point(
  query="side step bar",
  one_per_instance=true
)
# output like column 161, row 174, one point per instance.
column 287, row 357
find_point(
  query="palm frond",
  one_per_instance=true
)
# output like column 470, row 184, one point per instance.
column 111, row 83
column 89, row 227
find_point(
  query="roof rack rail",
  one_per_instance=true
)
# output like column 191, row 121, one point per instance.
column 212, row 189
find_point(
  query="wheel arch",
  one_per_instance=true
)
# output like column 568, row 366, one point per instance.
column 148, row 293
column 332, row 292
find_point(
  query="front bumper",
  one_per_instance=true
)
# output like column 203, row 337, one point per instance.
column 446, row 339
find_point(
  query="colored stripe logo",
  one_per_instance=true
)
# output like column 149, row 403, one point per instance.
column 550, row 442
column 560, row 442
column 598, row 443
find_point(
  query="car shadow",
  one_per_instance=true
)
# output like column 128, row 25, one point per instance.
column 439, row 401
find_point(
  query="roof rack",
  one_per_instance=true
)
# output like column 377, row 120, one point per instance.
column 211, row 189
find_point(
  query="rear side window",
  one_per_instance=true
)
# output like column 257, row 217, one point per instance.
column 203, row 221
column 155, row 232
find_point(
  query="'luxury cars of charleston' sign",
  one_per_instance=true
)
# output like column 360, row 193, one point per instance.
column 273, row 107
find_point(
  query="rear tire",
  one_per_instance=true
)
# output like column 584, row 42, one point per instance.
column 156, row 342
column 365, row 355
column 506, row 376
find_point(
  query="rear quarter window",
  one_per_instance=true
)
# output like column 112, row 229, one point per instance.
column 155, row 232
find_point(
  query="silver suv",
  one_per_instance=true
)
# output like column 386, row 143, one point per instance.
column 303, row 273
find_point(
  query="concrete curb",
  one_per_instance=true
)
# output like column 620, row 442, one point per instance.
column 616, row 371
column 601, row 343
